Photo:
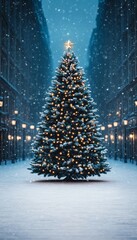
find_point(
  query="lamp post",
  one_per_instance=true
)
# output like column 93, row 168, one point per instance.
column 1, row 102
column 102, row 128
column 115, row 124
column 10, row 139
column 24, row 141
column 125, row 122
column 13, row 123
column 131, row 136
column 1, row 137
column 16, row 142
column 120, row 138
column 19, row 147
column 135, row 102
column 109, row 127
column 32, row 127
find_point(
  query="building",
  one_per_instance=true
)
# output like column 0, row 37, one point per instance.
column 112, row 72
column 25, row 72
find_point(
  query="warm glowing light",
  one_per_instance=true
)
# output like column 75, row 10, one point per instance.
column 135, row 102
column 32, row 127
column 68, row 45
column 111, row 137
column 125, row 122
column 24, row 125
column 13, row 122
column 120, row 137
column 1, row 102
column 18, row 138
column 28, row 138
column 102, row 128
column 115, row 124
column 109, row 125
column 10, row 137
column 16, row 112
column 131, row 135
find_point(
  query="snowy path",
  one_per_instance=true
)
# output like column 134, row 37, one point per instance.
column 103, row 209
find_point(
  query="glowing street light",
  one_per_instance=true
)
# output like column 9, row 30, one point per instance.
column 13, row 122
column 24, row 125
column 135, row 102
column 115, row 124
column 1, row 102
column 28, row 138
column 125, row 122
column 32, row 127
column 16, row 112
column 102, row 128
column 132, row 137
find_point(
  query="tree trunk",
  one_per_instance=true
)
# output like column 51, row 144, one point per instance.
column 68, row 179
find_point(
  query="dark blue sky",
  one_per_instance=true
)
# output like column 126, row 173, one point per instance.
column 70, row 20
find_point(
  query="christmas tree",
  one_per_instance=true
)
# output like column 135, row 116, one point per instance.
column 68, row 143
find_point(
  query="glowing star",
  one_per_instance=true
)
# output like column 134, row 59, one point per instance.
column 68, row 45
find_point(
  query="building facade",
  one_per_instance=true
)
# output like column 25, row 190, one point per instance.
column 25, row 72
column 112, row 72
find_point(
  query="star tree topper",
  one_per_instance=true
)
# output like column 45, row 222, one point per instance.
column 68, row 45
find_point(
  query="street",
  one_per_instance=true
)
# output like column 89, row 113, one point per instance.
column 34, row 208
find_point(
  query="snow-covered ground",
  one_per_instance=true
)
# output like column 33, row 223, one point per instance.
column 104, row 208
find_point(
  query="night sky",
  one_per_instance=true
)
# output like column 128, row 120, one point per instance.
column 70, row 20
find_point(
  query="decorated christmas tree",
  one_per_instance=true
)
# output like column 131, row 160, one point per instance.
column 68, row 144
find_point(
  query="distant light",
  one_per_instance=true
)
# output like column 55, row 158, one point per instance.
column 109, row 125
column 135, row 102
column 131, row 135
column 13, row 122
column 18, row 138
column 28, row 138
column 115, row 124
column 120, row 137
column 125, row 122
column 102, row 128
column 32, row 127
column 1, row 103
column 24, row 125
column 117, row 113
column 111, row 137
column 16, row 112
column 10, row 137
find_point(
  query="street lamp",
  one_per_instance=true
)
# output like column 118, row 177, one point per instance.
column 16, row 112
column 28, row 138
column 112, row 138
column 1, row 102
column 115, row 124
column 32, row 127
column 102, row 128
column 109, row 127
column 131, row 136
column 125, row 122
column 24, row 128
column 120, row 138
column 135, row 102
column 13, row 123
